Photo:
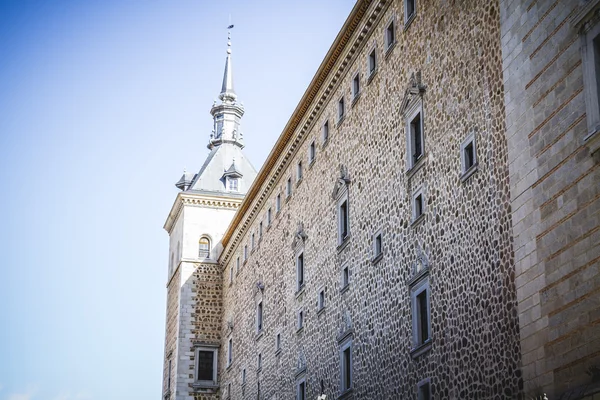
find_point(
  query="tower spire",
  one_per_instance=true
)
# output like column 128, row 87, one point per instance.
column 227, row 91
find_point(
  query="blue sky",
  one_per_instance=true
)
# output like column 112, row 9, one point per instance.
column 102, row 106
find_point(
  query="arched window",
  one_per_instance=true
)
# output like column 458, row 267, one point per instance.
column 204, row 247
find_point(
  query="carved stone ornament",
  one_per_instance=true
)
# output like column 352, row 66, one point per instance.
column 229, row 324
column 421, row 262
column 301, row 364
column 414, row 90
column 342, row 182
column 300, row 236
column 346, row 327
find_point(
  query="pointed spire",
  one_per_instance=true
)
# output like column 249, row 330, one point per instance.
column 227, row 92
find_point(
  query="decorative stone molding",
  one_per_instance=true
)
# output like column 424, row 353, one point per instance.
column 414, row 91
column 342, row 183
column 300, row 237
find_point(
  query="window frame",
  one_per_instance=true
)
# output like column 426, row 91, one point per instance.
column 343, row 218
column 389, row 45
column 278, row 343
column 416, row 109
column 419, row 192
column 372, row 71
column 299, row 319
column 377, row 253
column 299, row 172
column 259, row 317
column 325, row 132
column 468, row 170
column 288, row 188
column 345, row 277
column 346, row 382
column 278, row 203
column 341, row 109
column 300, row 267
column 233, row 184
column 312, row 153
column 321, row 299
column 231, row 275
column 229, row 352
column 356, row 87
column 215, row 370
column 237, row 265
column 301, row 382
column 409, row 18
column 269, row 216
column 418, row 344
column 207, row 251
column 424, row 383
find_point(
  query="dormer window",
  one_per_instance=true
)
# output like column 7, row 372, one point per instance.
column 233, row 184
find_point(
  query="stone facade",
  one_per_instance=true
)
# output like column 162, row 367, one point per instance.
column 428, row 218
column 462, row 242
column 555, row 193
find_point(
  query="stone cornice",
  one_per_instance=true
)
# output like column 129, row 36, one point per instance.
column 351, row 38
column 199, row 200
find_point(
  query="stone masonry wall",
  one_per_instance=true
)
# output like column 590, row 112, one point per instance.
column 555, row 196
column 464, row 236
column 171, row 332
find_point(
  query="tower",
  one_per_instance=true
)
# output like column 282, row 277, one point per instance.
column 198, row 218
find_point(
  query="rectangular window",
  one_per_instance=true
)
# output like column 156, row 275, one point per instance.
column 260, row 229
column 244, row 376
column 345, row 277
column 301, row 389
column 259, row 361
column 259, row 317
column 390, row 35
column 300, row 324
column 169, row 377
column 424, row 391
column 321, row 300
column 326, row 131
column 230, row 275
column 311, row 153
column 278, row 342
column 356, row 86
column 229, row 351
column 377, row 245
column 206, row 365
column 416, row 138
column 269, row 216
column 418, row 204
column 252, row 242
column 346, row 366
column 288, row 187
column 278, row 203
column 245, row 252
column 410, row 7
column 300, row 271
column 372, row 62
column 420, row 313
column 237, row 265
column 299, row 171
column 343, row 221
column 341, row 109
column 468, row 155
column 233, row 184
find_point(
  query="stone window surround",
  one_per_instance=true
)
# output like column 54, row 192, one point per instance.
column 418, row 286
column 300, row 285
column 269, row 217
column 229, row 352
column 278, row 343
column 415, row 108
column 345, row 280
column 377, row 256
column 198, row 347
column 208, row 251
column 466, row 173
column 259, row 362
column 231, row 275
column 345, row 387
column 259, row 317
column 371, row 72
column 387, row 44
column 288, row 188
column 343, row 197
column 355, row 94
column 321, row 304
column 237, row 265
column 299, row 320
column 301, row 379
column 422, row 383
column 419, row 191
column 278, row 203
column 299, row 172
column 312, row 153
column 587, row 23
column 409, row 18
column 325, row 132
column 341, row 109
column 244, row 376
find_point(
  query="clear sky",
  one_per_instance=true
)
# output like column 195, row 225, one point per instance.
column 103, row 103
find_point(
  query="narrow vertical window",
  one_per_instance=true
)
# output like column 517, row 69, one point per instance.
column 321, row 300
column 423, row 316
column 372, row 62
column 416, row 138
column 468, row 156
column 355, row 86
column 420, row 317
column 259, row 317
column 343, row 223
column 311, row 153
column 244, row 376
column 230, row 275
column 288, row 187
column 245, row 252
column 237, row 265
column 377, row 245
column 326, row 131
column 341, row 109
column 278, row 203
column 299, row 171
column 252, row 242
column 345, row 277
column 278, row 342
column 390, row 35
column 300, row 271
column 229, row 351
column 269, row 216
column 410, row 7
column 259, row 361
column 302, row 390
column 346, row 367
column 300, row 320
column 169, row 377
column 418, row 204
column 424, row 391
column 260, row 229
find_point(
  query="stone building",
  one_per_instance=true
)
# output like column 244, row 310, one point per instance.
column 426, row 225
